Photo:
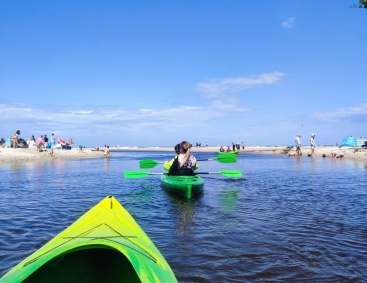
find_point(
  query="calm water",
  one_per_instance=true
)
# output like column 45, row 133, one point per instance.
column 286, row 220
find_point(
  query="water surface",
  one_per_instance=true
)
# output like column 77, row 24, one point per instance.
column 287, row 220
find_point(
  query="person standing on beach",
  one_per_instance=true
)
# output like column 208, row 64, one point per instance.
column 298, row 145
column 30, row 142
column 53, row 144
column 243, row 146
column 45, row 139
column 14, row 139
column 238, row 145
column 39, row 143
column 313, row 144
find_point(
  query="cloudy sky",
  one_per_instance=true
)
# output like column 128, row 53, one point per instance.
column 153, row 73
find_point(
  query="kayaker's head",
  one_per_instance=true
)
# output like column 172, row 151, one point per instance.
column 177, row 148
column 185, row 147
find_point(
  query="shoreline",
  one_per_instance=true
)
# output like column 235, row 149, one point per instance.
column 10, row 155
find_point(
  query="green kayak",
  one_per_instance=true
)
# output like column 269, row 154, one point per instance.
column 186, row 186
column 103, row 245
column 225, row 153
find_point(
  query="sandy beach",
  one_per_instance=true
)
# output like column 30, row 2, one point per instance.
column 8, row 155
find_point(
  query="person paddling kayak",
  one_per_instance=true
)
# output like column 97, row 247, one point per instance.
column 167, row 164
column 184, row 163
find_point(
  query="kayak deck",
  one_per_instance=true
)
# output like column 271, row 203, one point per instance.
column 103, row 245
column 186, row 186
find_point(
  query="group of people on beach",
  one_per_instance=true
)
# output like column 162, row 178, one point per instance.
column 14, row 139
column 42, row 142
column 106, row 151
column 299, row 143
column 235, row 147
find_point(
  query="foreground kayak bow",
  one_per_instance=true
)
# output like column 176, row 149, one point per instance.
column 103, row 245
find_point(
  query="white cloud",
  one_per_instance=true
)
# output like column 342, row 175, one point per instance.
column 217, row 87
column 289, row 23
column 40, row 120
column 81, row 112
column 344, row 112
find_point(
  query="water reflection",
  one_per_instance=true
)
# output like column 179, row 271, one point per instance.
column 185, row 216
column 299, row 163
column 228, row 198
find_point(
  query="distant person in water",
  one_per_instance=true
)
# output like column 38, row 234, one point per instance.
column 107, row 151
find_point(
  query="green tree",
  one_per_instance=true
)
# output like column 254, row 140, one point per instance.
column 362, row 4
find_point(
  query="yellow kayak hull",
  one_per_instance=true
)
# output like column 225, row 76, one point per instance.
column 103, row 245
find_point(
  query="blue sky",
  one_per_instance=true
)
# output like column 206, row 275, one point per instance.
column 154, row 73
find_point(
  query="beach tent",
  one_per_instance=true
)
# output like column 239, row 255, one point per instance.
column 348, row 142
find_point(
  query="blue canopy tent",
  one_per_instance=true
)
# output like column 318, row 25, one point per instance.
column 348, row 142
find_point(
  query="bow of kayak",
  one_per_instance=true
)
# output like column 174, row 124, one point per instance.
column 103, row 245
column 186, row 186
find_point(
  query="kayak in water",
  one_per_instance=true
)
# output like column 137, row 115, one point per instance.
column 186, row 186
column 103, row 245
column 229, row 152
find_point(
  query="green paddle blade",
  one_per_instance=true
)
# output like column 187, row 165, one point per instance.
column 231, row 173
column 148, row 163
column 135, row 174
column 226, row 158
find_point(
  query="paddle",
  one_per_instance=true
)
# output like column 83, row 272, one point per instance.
column 142, row 174
column 149, row 163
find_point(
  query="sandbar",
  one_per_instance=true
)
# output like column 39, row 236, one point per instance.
column 9, row 155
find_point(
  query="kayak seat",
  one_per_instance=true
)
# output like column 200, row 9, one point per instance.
column 92, row 265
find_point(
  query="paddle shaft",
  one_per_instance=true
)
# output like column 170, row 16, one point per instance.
column 149, row 163
column 142, row 174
